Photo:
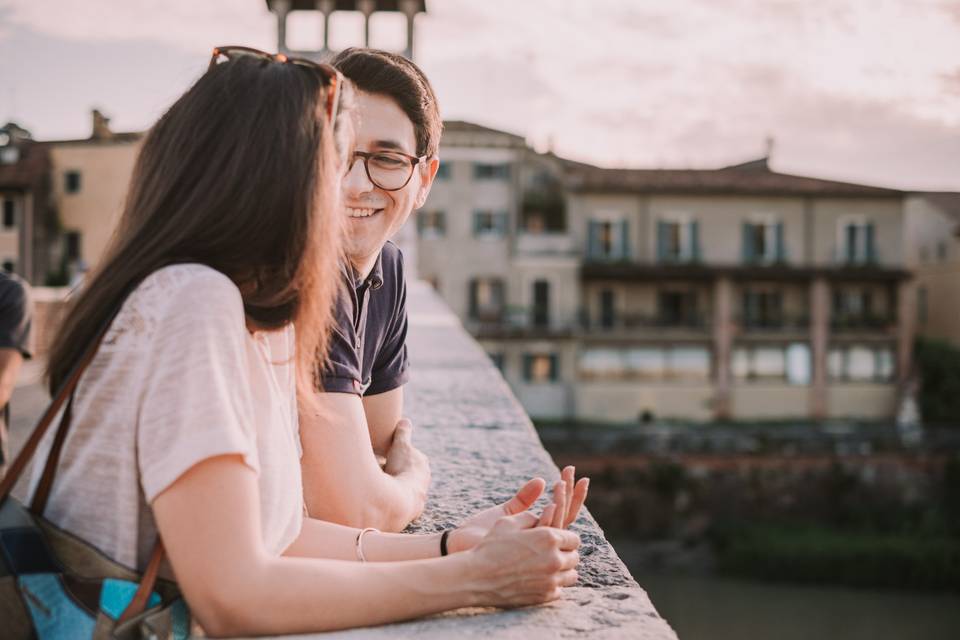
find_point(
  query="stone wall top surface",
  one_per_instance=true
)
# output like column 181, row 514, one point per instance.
column 482, row 447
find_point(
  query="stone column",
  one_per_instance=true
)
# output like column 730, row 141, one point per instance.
column 906, row 328
column 819, row 342
column 409, row 9
column 282, row 8
column 723, row 330
column 325, row 7
column 366, row 7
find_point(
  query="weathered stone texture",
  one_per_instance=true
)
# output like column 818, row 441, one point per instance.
column 482, row 447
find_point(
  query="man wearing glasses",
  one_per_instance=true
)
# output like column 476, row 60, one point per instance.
column 389, row 176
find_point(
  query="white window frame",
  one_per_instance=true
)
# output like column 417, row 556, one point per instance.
column 843, row 222
column 769, row 222
column 682, row 218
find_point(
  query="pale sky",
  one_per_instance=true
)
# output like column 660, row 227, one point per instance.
column 860, row 90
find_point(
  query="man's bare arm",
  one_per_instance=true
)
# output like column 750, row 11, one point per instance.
column 342, row 481
column 10, row 361
column 383, row 411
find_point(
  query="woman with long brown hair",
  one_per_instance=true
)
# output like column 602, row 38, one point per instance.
column 185, row 422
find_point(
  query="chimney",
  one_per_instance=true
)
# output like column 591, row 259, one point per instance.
column 101, row 126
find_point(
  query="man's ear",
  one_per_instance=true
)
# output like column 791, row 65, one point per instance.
column 432, row 166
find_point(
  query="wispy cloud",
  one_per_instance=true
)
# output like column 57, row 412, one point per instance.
column 859, row 88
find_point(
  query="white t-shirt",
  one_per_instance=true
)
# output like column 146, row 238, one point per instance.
column 177, row 379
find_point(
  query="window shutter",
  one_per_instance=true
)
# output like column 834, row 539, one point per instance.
column 442, row 222
column 527, row 367
column 498, row 297
column 593, row 240
column 554, row 367
column 781, row 255
column 871, row 255
column 474, row 308
column 694, row 241
column 748, row 253
column 501, row 223
column 624, row 240
column 661, row 241
column 477, row 216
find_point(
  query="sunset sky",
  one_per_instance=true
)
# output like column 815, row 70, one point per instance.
column 861, row 90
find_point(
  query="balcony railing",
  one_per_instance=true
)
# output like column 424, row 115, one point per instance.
column 862, row 322
column 781, row 322
column 697, row 321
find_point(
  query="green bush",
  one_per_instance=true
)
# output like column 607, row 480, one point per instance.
column 820, row 555
column 939, row 365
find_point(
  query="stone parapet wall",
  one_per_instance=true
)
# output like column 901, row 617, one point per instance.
column 482, row 446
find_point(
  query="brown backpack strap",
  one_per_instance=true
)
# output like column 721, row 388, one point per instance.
column 30, row 447
column 39, row 503
column 149, row 580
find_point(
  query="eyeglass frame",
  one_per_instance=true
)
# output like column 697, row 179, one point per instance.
column 332, row 76
column 414, row 162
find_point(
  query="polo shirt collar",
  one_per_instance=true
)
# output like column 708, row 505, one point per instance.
column 374, row 278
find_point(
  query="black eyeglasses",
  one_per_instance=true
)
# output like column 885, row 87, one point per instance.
column 388, row 170
column 332, row 77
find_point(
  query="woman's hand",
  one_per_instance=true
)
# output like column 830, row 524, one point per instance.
column 520, row 563
column 568, row 498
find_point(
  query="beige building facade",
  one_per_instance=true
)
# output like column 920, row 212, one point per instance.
column 934, row 256
column 730, row 294
column 89, row 179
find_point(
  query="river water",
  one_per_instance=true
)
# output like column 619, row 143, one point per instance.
column 713, row 608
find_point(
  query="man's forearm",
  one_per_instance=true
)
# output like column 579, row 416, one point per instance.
column 382, row 501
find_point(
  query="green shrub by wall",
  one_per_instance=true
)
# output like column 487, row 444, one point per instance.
column 938, row 363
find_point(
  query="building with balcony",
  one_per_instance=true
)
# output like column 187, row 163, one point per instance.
column 29, row 220
column 934, row 239
column 633, row 295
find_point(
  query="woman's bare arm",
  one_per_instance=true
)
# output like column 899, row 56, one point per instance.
column 209, row 521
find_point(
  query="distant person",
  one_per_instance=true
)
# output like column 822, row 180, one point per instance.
column 16, row 312
column 185, row 424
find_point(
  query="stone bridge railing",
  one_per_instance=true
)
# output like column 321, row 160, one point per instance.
column 482, row 446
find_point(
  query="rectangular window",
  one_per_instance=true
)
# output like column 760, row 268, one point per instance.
column 486, row 299
column 677, row 308
column 776, row 363
column 763, row 242
column 608, row 240
column 678, row 241
column 444, row 171
column 9, row 214
column 73, row 245
column 607, row 309
column 71, row 182
column 762, row 309
column 489, row 224
column 653, row 364
column 855, row 241
column 861, row 363
column 431, row 223
column 541, row 304
column 488, row 171
column 541, row 368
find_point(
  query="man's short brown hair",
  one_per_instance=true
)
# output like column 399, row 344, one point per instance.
column 390, row 74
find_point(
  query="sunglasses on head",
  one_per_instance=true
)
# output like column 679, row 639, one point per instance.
column 332, row 77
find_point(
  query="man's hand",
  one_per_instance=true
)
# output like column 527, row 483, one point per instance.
column 568, row 498
column 406, row 462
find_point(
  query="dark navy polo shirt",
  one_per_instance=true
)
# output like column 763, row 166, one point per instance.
column 368, row 347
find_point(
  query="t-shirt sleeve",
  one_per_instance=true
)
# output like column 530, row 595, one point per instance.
column 196, row 400
column 342, row 370
column 391, row 367
column 16, row 311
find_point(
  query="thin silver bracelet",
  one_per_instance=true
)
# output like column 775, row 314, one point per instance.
column 359, row 542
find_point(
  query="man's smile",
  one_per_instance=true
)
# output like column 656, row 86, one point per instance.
column 361, row 212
